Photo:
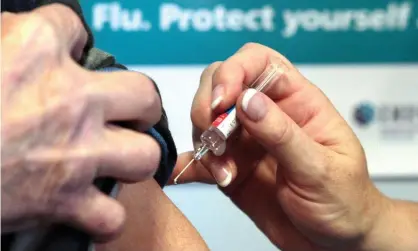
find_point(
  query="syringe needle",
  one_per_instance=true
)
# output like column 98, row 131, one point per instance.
column 182, row 171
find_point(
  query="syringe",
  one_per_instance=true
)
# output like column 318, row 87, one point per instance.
column 214, row 139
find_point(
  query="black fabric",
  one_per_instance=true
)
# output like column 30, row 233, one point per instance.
column 6, row 241
column 16, row 5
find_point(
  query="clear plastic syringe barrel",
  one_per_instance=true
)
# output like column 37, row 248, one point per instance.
column 214, row 139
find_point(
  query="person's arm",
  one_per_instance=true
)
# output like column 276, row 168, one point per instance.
column 153, row 223
column 93, row 59
column 395, row 229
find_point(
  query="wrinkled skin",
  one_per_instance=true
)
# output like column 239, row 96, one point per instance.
column 56, row 136
column 298, row 172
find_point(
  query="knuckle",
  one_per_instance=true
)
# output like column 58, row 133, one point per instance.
column 153, row 104
column 151, row 157
column 54, row 177
column 72, row 106
column 210, row 70
column 30, row 36
column 251, row 46
column 214, row 65
column 150, row 100
column 43, row 31
column 84, row 93
column 71, row 112
column 73, row 178
column 36, row 22
column 69, row 14
column 85, row 96
column 282, row 135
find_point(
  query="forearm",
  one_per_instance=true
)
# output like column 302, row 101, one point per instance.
column 153, row 223
column 395, row 229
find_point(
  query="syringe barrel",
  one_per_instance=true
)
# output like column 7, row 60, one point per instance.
column 269, row 76
column 225, row 124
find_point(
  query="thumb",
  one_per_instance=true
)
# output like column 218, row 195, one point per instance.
column 196, row 172
column 298, row 154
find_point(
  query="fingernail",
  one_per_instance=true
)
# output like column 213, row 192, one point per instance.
column 217, row 96
column 254, row 105
column 222, row 176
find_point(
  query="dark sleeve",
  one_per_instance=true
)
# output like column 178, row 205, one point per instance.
column 95, row 59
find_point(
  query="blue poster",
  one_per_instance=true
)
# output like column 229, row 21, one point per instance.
column 202, row 31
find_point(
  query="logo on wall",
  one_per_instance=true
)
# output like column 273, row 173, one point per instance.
column 364, row 114
column 391, row 120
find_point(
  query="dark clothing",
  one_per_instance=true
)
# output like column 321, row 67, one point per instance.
column 62, row 238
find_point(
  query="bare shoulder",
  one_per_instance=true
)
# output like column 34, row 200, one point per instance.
column 153, row 222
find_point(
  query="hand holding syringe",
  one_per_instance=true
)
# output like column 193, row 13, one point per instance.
column 214, row 139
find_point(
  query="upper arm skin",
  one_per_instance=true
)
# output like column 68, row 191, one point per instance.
column 153, row 223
